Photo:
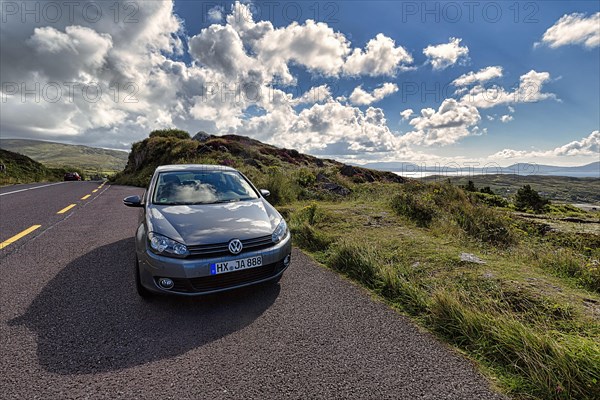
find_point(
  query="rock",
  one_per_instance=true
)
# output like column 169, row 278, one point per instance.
column 335, row 188
column 348, row 170
column 252, row 162
column 321, row 177
column 201, row 136
column 471, row 258
column 203, row 149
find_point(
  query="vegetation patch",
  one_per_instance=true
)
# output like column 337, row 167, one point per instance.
column 18, row 168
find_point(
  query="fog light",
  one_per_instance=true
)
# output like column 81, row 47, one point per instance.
column 287, row 259
column 166, row 283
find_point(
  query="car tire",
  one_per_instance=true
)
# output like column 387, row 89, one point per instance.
column 142, row 291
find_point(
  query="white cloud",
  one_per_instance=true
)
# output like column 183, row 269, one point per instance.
column 361, row 97
column 406, row 114
column 587, row 146
column 215, row 14
column 316, row 94
column 480, row 76
column 444, row 55
column 529, row 91
column 506, row 118
column 220, row 48
column 127, row 63
column 313, row 45
column 77, row 52
column 381, row 57
column 451, row 122
column 572, row 29
column 331, row 128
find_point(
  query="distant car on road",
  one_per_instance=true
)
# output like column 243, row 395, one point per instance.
column 206, row 229
column 72, row 176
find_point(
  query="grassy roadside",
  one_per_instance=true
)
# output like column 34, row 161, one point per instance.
column 530, row 315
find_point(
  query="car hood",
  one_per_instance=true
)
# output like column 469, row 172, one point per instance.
column 213, row 223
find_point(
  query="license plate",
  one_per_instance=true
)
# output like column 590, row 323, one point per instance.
column 235, row 265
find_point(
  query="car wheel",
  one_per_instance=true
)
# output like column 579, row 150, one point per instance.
column 142, row 291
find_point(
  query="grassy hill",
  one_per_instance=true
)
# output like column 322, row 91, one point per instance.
column 518, row 293
column 84, row 158
column 288, row 174
column 22, row 169
column 559, row 188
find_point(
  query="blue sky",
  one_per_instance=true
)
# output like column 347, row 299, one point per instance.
column 412, row 52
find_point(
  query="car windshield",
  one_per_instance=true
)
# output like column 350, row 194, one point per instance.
column 201, row 187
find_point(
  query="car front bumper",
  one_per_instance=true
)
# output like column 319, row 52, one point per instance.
column 191, row 276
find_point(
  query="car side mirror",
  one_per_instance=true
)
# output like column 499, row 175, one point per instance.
column 265, row 192
column 133, row 201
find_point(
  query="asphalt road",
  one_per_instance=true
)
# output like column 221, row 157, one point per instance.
column 73, row 327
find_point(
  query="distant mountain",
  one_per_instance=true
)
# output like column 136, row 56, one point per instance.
column 591, row 170
column 59, row 154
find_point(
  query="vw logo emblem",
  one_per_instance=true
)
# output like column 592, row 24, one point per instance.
column 235, row 246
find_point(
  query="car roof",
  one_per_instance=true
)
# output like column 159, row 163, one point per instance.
column 193, row 167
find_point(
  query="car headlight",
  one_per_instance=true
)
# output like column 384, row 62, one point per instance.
column 162, row 245
column 280, row 232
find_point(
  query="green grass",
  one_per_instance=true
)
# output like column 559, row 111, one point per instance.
column 527, row 316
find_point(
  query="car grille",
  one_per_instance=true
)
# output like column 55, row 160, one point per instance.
column 227, row 280
column 221, row 249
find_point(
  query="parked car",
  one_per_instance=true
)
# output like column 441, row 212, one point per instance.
column 72, row 176
column 205, row 229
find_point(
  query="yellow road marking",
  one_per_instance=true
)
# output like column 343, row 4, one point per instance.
column 94, row 191
column 18, row 236
column 67, row 208
column 86, row 196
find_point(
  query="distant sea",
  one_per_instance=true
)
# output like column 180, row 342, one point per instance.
column 471, row 172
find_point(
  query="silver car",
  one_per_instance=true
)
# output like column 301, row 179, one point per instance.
column 205, row 229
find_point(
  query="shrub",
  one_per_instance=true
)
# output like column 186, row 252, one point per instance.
column 282, row 186
column 527, row 198
column 176, row 133
column 492, row 200
column 484, row 224
column 417, row 208
column 305, row 177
